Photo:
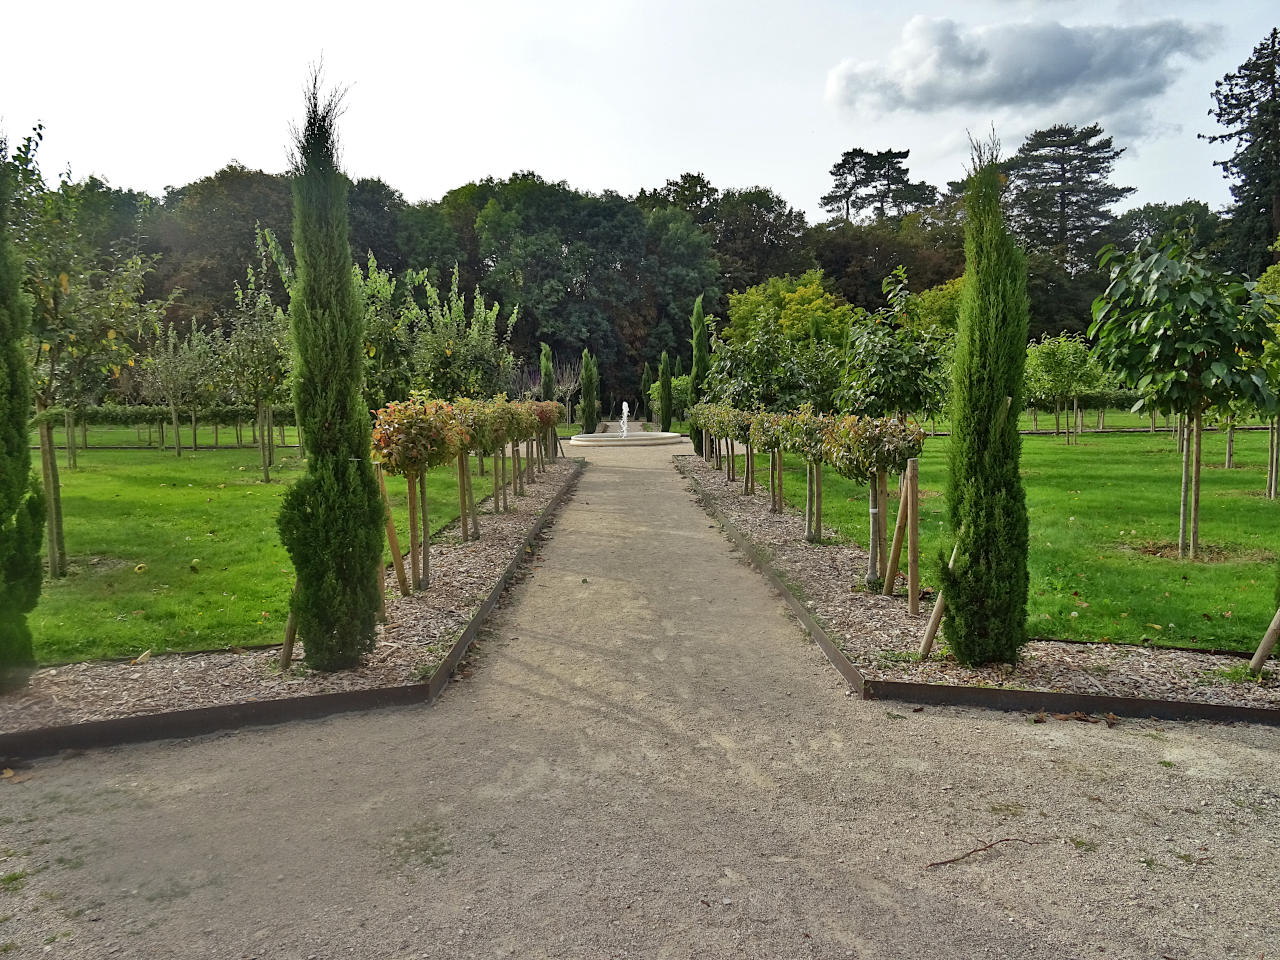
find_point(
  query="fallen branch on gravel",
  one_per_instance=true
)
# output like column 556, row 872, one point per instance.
column 988, row 846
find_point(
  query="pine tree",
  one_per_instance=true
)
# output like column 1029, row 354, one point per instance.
column 1060, row 191
column 1247, row 103
column 986, row 591
column 21, row 504
column 548, row 369
column 590, row 393
column 664, row 393
column 701, row 364
column 646, row 381
column 331, row 519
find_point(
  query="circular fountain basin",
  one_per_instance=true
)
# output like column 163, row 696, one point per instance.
column 640, row 439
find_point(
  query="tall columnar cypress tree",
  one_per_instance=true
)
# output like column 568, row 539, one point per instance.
column 701, row 364
column 590, row 393
column 21, row 504
column 646, row 381
column 986, row 592
column 331, row 519
column 664, row 392
column 548, row 368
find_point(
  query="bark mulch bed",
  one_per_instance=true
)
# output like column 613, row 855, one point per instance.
column 418, row 635
column 881, row 638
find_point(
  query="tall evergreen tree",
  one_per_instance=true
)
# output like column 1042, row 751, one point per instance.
column 986, row 591
column 664, row 392
column 646, row 381
column 590, row 393
column 1247, row 103
column 331, row 518
column 875, row 183
column 548, row 373
column 701, row 364
column 1061, row 191
column 21, row 505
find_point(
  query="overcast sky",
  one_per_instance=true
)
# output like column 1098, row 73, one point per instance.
column 622, row 95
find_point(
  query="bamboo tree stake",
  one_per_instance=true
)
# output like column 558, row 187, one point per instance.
column 290, row 633
column 913, row 524
column 899, row 529
column 1266, row 646
column 396, row 558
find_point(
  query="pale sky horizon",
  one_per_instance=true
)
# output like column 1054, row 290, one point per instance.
column 625, row 95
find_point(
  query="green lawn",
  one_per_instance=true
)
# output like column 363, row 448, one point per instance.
column 1095, row 510
column 215, row 573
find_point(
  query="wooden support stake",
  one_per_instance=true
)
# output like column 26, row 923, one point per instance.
column 939, row 607
column 912, row 492
column 396, row 559
column 290, row 632
column 899, row 529
column 1266, row 646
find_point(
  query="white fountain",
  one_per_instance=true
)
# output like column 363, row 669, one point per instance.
column 624, row 437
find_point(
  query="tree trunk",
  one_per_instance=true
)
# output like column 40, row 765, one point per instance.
column 177, row 437
column 899, row 533
column 1231, row 443
column 882, row 530
column 1035, row 419
column 480, row 457
column 817, row 509
column 1198, row 429
column 1057, row 417
column 462, row 498
column 471, row 501
column 873, row 536
column 426, row 531
column 808, row 501
column 195, row 445
column 502, row 469
column 69, row 429
column 913, row 532
column 1185, row 449
column 160, row 431
column 84, row 434
column 262, row 444
column 1153, row 421
column 1273, row 458
column 268, row 428
column 415, row 547
column 782, row 502
column 56, row 550
column 215, row 434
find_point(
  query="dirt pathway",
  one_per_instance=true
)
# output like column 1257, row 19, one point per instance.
column 651, row 761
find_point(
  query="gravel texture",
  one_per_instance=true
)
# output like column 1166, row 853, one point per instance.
column 418, row 635
column 650, row 760
column 877, row 633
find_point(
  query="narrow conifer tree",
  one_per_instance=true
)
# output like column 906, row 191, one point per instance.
column 21, row 504
column 331, row 518
column 701, row 364
column 664, row 393
column 548, row 373
column 590, row 393
column 986, row 590
column 646, row 381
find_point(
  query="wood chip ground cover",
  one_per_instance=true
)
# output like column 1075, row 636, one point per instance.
column 417, row 636
column 881, row 638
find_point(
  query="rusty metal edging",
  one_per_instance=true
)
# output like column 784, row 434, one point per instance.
column 957, row 695
column 183, row 724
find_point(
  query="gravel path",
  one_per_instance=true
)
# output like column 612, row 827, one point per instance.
column 651, row 761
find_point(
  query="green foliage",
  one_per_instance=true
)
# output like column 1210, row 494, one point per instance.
column 986, row 609
column 769, row 371
column 412, row 436
column 800, row 307
column 664, row 392
column 939, row 307
column 680, row 404
column 646, row 385
column 701, row 347
column 1183, row 333
column 805, row 433
column 1060, row 191
column 875, row 184
column 1060, row 369
column 21, row 505
column 331, row 520
column 387, row 343
column 457, row 354
column 548, row 370
column 1247, row 104
column 892, row 367
column 861, row 447
column 590, row 393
